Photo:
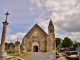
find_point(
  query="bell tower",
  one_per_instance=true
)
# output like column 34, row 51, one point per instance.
column 51, row 35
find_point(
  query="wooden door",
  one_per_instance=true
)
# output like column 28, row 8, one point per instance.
column 34, row 48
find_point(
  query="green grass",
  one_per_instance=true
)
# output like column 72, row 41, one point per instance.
column 12, row 54
column 16, row 55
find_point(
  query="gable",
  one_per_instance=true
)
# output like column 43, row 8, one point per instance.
column 36, row 31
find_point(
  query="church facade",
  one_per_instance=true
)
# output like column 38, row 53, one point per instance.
column 37, row 40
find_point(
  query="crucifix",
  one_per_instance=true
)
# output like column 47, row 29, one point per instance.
column 7, row 15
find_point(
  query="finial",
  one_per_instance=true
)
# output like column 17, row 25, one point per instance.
column 50, row 23
column 7, row 15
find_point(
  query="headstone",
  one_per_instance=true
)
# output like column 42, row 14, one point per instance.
column 17, row 47
column 11, row 48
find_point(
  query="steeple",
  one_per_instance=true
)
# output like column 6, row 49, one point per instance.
column 50, row 27
column 50, row 23
column 51, row 35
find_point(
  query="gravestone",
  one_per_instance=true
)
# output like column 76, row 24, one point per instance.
column 11, row 48
column 17, row 47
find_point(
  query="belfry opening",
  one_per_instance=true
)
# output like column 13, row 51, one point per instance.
column 35, row 48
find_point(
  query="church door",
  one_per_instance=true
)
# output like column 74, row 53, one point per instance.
column 35, row 48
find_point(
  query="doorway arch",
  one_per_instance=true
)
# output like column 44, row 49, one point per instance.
column 35, row 47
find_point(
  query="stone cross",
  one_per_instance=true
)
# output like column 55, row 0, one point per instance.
column 7, row 15
column 5, row 23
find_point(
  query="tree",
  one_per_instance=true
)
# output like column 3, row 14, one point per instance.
column 67, row 42
column 79, row 43
column 76, row 44
column 58, row 42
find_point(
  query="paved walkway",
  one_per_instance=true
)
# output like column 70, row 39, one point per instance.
column 40, row 56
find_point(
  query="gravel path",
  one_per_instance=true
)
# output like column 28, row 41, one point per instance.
column 41, row 56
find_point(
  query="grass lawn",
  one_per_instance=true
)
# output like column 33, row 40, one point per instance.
column 17, row 55
column 12, row 54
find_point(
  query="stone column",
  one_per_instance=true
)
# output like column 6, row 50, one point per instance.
column 2, row 50
column 5, row 23
column 17, row 47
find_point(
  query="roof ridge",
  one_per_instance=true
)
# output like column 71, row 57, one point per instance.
column 33, row 27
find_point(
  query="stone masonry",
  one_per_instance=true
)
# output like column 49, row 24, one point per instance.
column 2, row 50
column 17, row 47
column 37, row 40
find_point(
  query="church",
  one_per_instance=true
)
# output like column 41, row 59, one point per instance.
column 37, row 40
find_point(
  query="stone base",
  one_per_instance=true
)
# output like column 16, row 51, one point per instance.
column 3, row 54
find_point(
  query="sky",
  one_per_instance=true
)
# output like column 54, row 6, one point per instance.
column 65, row 15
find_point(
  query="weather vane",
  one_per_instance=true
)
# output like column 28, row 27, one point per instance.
column 7, row 15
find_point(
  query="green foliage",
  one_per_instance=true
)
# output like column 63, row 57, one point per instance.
column 79, row 43
column 67, row 42
column 76, row 44
column 58, row 42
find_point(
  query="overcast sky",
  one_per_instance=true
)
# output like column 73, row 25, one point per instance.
column 65, row 15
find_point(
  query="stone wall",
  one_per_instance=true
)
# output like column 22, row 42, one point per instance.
column 36, row 34
column 17, row 47
column 9, row 47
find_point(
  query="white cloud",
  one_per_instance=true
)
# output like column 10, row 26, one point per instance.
column 13, row 37
column 72, row 35
column 60, row 5
column 43, row 23
column 65, row 16
column 37, row 2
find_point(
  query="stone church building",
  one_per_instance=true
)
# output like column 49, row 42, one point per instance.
column 37, row 40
